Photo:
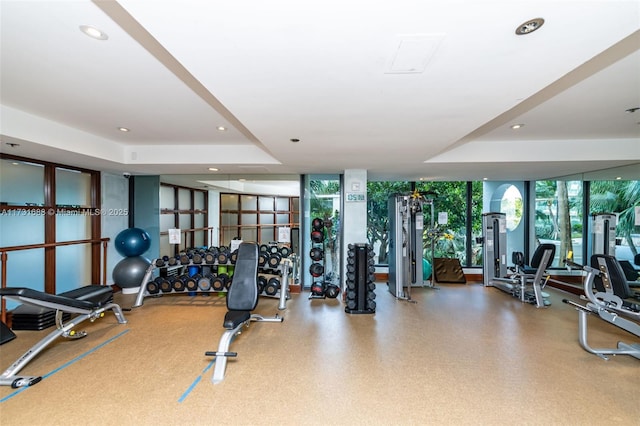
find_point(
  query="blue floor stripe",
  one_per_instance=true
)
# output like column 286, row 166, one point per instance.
column 65, row 365
column 195, row 382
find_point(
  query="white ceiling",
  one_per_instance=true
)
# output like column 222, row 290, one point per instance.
column 405, row 89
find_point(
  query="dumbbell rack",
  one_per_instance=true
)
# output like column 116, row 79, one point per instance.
column 273, row 275
column 318, row 260
column 360, row 296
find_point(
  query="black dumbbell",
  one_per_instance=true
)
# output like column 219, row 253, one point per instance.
column 272, row 287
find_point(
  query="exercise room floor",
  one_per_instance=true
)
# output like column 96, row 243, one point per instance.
column 461, row 355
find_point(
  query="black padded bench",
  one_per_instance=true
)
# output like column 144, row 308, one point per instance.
column 242, row 299
column 89, row 302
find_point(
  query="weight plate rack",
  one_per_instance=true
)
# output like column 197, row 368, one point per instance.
column 361, row 295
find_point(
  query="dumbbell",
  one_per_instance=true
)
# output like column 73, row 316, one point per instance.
column 317, row 224
column 285, row 251
column 316, row 254
column 196, row 259
column 262, row 283
column 233, row 257
column 332, row 291
column 274, row 260
column 184, row 259
column 272, row 287
column 164, row 284
column 317, row 236
column 224, row 277
column 223, row 257
column 172, row 261
column 159, row 263
column 317, row 288
column 178, row 284
column 209, row 258
column 190, row 283
column 263, row 256
column 316, row 269
column 217, row 283
column 152, row 287
column 204, row 282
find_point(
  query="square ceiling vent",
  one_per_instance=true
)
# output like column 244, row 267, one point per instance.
column 413, row 52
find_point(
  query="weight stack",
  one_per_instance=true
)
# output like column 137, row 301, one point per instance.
column 361, row 295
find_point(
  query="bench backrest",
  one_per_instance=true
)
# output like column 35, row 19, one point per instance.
column 243, row 293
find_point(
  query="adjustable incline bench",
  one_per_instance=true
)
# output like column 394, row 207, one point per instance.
column 90, row 302
column 242, row 298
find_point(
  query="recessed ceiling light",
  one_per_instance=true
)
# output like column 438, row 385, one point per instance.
column 93, row 32
column 221, row 128
column 619, row 178
column 517, row 126
column 213, row 169
column 529, row 26
column 294, row 140
column 485, row 178
column 123, row 129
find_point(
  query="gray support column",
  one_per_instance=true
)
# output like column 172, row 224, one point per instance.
column 354, row 216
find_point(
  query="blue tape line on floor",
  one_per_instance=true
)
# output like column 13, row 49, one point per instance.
column 65, row 365
column 195, row 382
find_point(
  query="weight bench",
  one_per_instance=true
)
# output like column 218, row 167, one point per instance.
column 89, row 302
column 533, row 276
column 242, row 298
column 608, row 302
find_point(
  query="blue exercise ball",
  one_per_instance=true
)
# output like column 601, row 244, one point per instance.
column 132, row 242
column 130, row 271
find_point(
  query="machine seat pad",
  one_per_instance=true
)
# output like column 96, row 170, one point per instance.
column 88, row 297
column 232, row 319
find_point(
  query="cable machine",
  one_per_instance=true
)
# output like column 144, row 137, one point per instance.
column 406, row 224
column 603, row 234
column 494, row 244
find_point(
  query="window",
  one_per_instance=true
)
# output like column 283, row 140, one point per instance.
column 257, row 218
column 55, row 203
column 184, row 209
column 620, row 197
column 559, row 218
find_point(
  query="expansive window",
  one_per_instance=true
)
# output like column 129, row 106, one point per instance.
column 452, row 218
column 622, row 198
column 559, row 218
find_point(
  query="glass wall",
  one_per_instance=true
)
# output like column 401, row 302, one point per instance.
column 621, row 197
column 559, row 218
column 452, row 219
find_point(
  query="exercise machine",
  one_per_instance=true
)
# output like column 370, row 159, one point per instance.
column 242, row 299
column 608, row 302
column 528, row 281
column 494, row 246
column 89, row 302
column 603, row 234
column 406, row 224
